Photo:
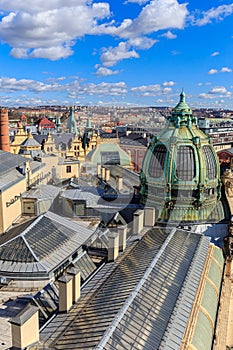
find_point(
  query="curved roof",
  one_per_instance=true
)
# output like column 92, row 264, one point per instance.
column 109, row 153
column 41, row 247
column 180, row 172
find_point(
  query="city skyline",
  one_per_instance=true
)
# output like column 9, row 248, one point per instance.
column 130, row 52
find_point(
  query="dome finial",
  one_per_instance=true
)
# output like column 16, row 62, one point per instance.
column 182, row 96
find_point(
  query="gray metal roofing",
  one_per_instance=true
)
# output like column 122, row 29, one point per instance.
column 133, row 307
column 9, row 161
column 43, row 245
column 30, row 142
column 42, row 192
column 10, row 178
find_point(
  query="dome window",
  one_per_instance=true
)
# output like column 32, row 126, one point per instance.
column 157, row 161
column 185, row 163
column 211, row 171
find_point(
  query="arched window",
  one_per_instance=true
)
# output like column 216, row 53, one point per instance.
column 185, row 163
column 157, row 161
column 211, row 170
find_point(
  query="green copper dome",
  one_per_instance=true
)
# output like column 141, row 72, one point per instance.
column 180, row 174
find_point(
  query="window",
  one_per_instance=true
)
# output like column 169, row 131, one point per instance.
column 157, row 161
column 211, row 170
column 185, row 163
column 68, row 168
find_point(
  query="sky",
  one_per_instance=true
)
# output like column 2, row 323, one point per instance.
column 116, row 52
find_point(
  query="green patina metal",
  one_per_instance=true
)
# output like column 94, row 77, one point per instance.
column 188, row 186
column 71, row 122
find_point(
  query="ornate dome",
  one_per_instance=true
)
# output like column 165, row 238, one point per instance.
column 180, row 174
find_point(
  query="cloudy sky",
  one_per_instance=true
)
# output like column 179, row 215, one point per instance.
column 116, row 52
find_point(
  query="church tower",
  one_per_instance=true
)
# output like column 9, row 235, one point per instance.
column 180, row 173
column 71, row 123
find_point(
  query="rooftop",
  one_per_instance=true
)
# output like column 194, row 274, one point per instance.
column 130, row 304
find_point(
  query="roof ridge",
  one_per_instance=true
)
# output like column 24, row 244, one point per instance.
column 30, row 249
column 111, row 328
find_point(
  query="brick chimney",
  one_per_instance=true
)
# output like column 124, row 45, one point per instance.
column 4, row 131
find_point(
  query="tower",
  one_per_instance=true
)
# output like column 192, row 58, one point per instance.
column 71, row 123
column 4, row 131
column 180, row 173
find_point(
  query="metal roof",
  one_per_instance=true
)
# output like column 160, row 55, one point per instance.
column 11, row 177
column 42, row 192
column 136, row 297
column 9, row 161
column 42, row 246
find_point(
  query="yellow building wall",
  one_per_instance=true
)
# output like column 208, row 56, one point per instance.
column 63, row 173
column 11, row 205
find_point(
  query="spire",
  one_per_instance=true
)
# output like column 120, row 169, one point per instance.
column 71, row 123
column 88, row 124
column 58, row 123
column 182, row 105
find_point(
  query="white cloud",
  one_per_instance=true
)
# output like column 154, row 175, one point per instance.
column 213, row 71
column 140, row 2
column 215, row 53
column 169, row 35
column 32, row 29
column 166, row 90
column 73, row 89
column 218, row 13
column 147, row 88
column 216, row 92
column 169, row 83
column 157, row 15
column 219, row 90
column 113, row 55
column 222, row 70
column 12, row 84
column 175, row 52
column 103, row 72
column 153, row 90
column 142, row 43
column 225, row 70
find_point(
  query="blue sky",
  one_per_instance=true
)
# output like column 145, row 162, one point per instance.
column 130, row 52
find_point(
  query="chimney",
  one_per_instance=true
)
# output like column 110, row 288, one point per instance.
column 119, row 183
column 122, row 231
column 149, row 216
column 107, row 174
column 76, row 282
column 113, row 246
column 25, row 327
column 138, row 220
column 4, row 131
column 99, row 170
column 103, row 173
column 65, row 293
